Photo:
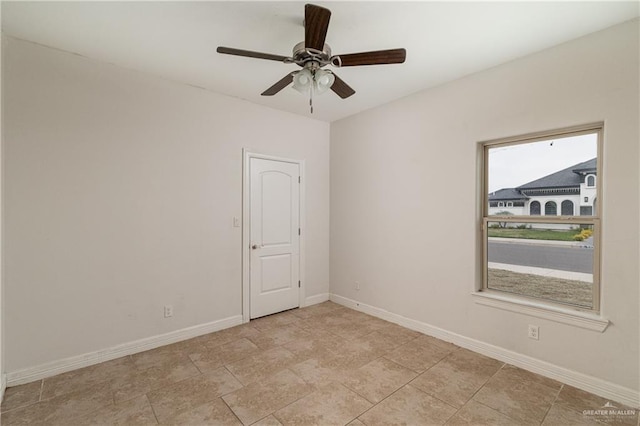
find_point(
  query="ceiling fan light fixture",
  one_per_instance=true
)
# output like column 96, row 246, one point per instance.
column 323, row 80
column 302, row 80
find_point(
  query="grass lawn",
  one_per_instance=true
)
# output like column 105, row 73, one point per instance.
column 559, row 290
column 533, row 234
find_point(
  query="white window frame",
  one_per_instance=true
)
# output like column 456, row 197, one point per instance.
column 589, row 318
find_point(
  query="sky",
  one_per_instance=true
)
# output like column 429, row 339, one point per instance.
column 514, row 165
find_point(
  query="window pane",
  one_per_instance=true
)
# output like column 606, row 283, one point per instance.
column 550, row 209
column 534, row 208
column 542, row 260
column 536, row 178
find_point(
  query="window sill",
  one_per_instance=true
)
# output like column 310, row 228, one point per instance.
column 568, row 316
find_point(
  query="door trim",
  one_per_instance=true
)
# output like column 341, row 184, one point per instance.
column 246, row 234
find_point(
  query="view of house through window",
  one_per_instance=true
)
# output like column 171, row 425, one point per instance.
column 540, row 217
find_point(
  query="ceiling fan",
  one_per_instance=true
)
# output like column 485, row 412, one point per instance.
column 313, row 54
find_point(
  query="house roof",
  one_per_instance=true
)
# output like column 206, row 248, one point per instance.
column 506, row 194
column 569, row 177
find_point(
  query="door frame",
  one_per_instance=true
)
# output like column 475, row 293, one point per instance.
column 246, row 228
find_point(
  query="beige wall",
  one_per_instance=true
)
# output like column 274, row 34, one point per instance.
column 404, row 198
column 2, row 370
column 120, row 189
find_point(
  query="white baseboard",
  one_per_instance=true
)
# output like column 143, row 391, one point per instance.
column 579, row 380
column 3, row 386
column 72, row 363
column 318, row 298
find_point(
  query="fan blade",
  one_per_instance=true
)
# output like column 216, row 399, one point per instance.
column 341, row 88
column 377, row 57
column 284, row 82
column 316, row 24
column 250, row 54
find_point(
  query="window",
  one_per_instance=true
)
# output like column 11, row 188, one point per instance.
column 500, row 204
column 550, row 208
column 534, row 208
column 510, row 204
column 522, row 256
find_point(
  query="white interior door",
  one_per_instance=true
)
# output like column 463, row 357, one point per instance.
column 275, row 240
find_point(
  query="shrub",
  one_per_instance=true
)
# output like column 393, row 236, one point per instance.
column 586, row 233
column 578, row 237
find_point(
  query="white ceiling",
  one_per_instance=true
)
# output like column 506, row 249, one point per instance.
column 177, row 40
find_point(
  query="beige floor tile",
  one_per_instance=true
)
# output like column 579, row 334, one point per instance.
column 261, row 365
column 380, row 342
column 141, row 382
column 457, row 377
column 336, row 319
column 474, row 413
column 22, row 395
column 562, row 415
column 524, row 375
column 378, row 379
column 87, row 377
column 355, row 354
column 61, row 410
column 437, row 342
column 169, row 354
column 134, row 412
column 418, row 355
column 268, row 421
column 400, row 334
column 214, row 412
column 258, row 400
column 354, row 330
column 315, row 310
column 213, row 340
column 273, row 337
column 321, row 371
column 318, row 365
column 330, row 405
column 313, row 326
column 518, row 395
column 171, row 370
column 213, row 359
column 579, row 400
column 274, row 321
column 315, row 344
column 187, row 394
column 409, row 406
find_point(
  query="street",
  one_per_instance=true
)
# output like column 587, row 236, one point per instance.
column 574, row 259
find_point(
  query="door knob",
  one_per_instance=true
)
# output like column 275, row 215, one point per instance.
column 255, row 246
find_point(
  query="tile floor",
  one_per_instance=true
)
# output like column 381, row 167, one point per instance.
column 324, row 365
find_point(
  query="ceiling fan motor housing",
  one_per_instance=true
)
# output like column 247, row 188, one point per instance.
column 304, row 56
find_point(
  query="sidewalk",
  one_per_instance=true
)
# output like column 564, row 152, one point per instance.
column 588, row 243
column 555, row 273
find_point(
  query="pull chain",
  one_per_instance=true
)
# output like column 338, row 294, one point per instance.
column 311, row 97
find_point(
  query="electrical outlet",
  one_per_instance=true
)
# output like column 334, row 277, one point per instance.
column 168, row 311
column 534, row 332
column 357, row 285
